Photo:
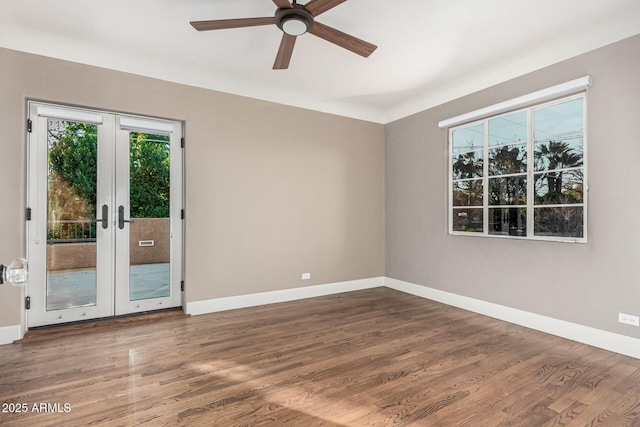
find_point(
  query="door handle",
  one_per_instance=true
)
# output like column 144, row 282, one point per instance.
column 121, row 219
column 105, row 217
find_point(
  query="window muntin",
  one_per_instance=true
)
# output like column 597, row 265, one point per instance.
column 521, row 174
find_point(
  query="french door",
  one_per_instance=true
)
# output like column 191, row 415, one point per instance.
column 105, row 198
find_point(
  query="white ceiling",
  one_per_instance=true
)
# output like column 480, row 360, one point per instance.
column 429, row 51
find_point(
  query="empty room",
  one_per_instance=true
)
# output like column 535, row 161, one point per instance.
column 319, row 213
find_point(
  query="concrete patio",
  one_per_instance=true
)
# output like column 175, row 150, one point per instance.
column 77, row 288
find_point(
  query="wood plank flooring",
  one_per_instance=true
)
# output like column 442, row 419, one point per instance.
column 368, row 358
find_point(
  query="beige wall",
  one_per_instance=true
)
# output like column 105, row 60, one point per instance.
column 582, row 283
column 271, row 191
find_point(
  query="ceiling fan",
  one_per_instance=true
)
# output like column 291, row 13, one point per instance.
column 295, row 20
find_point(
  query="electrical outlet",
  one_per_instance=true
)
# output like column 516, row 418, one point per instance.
column 306, row 276
column 629, row 319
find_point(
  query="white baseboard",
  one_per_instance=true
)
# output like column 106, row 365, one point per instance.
column 622, row 344
column 252, row 300
column 9, row 334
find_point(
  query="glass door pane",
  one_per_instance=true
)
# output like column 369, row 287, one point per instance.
column 148, row 182
column 72, row 152
column 149, row 206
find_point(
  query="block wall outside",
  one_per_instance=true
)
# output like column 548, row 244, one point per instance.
column 71, row 256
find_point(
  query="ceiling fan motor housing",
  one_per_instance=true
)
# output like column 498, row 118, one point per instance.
column 294, row 21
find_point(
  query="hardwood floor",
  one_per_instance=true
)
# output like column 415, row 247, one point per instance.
column 369, row 358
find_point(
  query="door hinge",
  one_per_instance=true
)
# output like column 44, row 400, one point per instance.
column 182, row 285
column 181, row 213
column 29, row 125
column 181, row 142
column 27, row 303
column 28, row 214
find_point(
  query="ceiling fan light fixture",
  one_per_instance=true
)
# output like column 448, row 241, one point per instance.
column 295, row 26
column 294, row 21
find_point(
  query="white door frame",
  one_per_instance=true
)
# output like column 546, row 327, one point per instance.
column 124, row 125
column 112, row 243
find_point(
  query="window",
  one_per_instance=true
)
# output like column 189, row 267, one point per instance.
column 521, row 174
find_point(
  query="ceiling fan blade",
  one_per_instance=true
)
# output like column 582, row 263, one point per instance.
column 284, row 52
column 222, row 24
column 316, row 7
column 283, row 4
column 344, row 40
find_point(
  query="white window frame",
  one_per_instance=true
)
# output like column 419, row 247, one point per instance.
column 530, row 205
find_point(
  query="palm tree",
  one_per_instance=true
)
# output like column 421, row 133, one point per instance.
column 508, row 159
column 554, row 157
column 467, row 166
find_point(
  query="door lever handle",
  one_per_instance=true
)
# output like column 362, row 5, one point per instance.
column 121, row 219
column 105, row 217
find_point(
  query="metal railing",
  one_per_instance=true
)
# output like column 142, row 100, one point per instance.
column 71, row 231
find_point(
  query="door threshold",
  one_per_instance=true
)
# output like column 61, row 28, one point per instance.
column 46, row 332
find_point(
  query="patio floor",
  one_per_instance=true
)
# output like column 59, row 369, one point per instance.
column 77, row 288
